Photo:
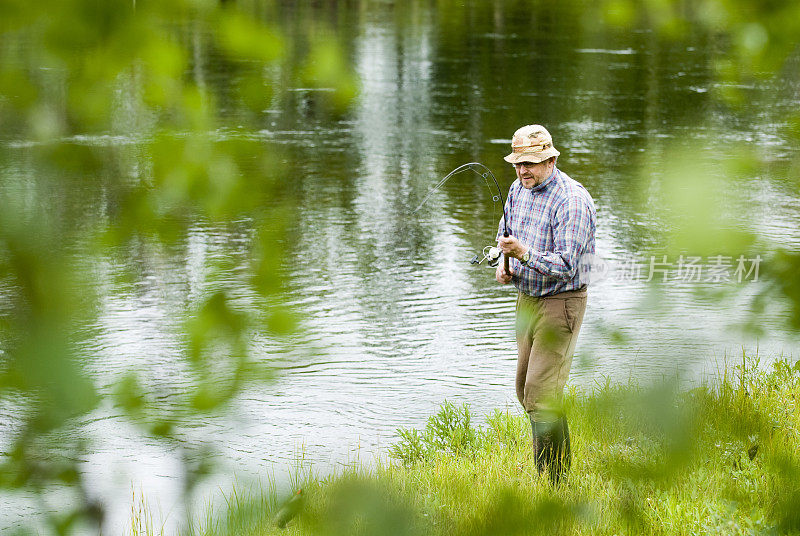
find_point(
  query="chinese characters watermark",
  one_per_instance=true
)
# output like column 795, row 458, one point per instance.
column 677, row 269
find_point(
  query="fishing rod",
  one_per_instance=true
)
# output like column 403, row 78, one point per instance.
column 493, row 253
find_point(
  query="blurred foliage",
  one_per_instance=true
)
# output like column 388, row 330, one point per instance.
column 782, row 273
column 117, row 130
column 752, row 41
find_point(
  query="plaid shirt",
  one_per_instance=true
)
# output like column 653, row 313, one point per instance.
column 556, row 220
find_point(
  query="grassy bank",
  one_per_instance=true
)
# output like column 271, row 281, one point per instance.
column 716, row 459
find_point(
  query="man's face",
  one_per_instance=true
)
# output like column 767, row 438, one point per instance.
column 530, row 174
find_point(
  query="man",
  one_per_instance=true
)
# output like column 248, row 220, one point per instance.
column 551, row 219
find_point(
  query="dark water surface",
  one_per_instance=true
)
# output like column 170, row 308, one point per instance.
column 394, row 318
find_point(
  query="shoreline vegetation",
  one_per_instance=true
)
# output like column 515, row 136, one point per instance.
column 721, row 458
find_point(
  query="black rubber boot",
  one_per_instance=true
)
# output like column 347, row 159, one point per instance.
column 551, row 447
column 562, row 452
column 543, row 444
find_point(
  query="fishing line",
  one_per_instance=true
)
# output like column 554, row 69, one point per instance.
column 490, row 253
column 485, row 176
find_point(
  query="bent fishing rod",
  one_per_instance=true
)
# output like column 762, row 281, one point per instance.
column 493, row 253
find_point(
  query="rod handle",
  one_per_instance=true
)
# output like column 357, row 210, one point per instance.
column 505, row 257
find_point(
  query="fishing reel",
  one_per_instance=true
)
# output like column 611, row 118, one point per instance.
column 491, row 254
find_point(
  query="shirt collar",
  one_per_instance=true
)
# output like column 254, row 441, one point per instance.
column 545, row 182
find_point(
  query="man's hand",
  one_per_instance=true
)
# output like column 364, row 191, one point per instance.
column 500, row 274
column 512, row 247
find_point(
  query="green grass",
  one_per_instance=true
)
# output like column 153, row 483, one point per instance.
column 716, row 459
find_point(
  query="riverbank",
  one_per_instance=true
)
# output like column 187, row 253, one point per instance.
column 719, row 458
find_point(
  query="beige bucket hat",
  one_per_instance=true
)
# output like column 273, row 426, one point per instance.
column 531, row 143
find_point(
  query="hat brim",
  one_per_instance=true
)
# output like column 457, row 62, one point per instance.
column 535, row 157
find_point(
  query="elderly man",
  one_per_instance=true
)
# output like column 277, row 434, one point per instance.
column 551, row 220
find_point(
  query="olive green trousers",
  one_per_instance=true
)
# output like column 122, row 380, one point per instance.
column 547, row 330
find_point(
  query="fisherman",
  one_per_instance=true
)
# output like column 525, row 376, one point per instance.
column 551, row 219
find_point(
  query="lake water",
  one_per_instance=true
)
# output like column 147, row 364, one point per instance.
column 395, row 320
